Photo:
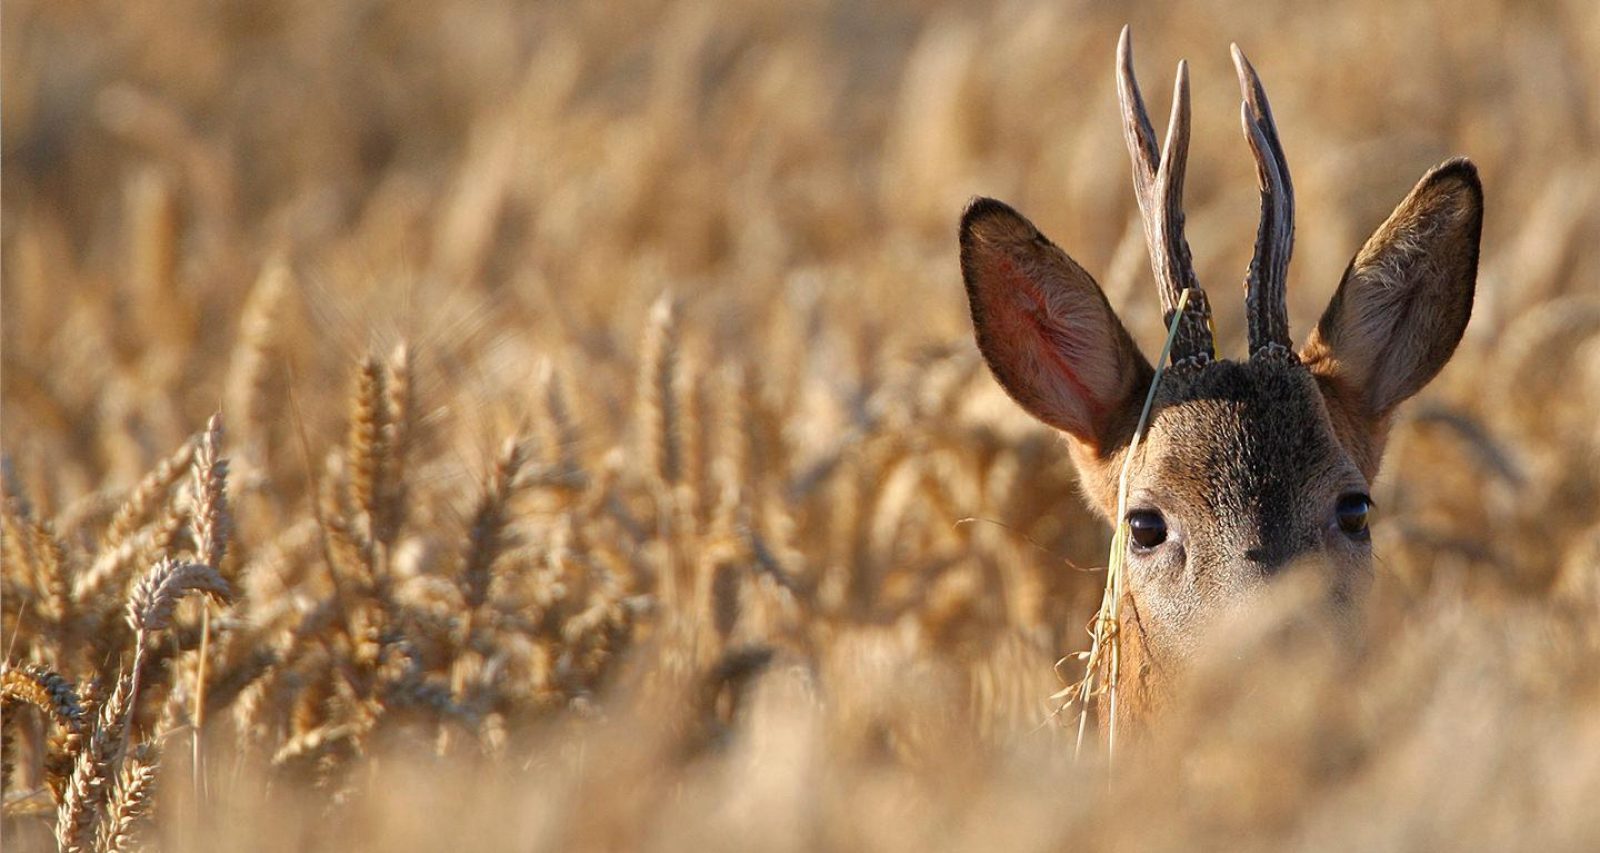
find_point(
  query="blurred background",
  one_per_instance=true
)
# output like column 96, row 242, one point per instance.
column 705, row 255
column 509, row 178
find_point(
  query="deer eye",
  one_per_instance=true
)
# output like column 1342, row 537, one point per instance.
column 1352, row 511
column 1147, row 527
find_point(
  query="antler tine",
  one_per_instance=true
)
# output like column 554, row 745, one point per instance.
column 1158, row 185
column 1265, row 285
column 1168, row 191
column 1136, row 127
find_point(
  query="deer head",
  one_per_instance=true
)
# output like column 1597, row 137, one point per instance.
column 1247, row 467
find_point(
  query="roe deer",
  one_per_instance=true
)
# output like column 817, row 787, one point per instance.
column 1247, row 466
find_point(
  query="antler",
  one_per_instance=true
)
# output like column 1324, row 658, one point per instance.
column 1265, row 307
column 1158, row 183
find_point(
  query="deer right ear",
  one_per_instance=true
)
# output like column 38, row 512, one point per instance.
column 1404, row 302
column 1046, row 330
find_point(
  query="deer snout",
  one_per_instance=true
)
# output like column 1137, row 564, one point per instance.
column 1276, row 554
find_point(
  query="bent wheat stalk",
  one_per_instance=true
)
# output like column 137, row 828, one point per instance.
column 1108, row 617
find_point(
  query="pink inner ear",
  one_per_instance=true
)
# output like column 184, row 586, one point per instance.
column 1031, row 332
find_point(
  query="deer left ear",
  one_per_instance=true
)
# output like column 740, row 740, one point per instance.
column 1406, row 297
column 1046, row 330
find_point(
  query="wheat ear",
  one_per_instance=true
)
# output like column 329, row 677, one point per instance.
column 486, row 538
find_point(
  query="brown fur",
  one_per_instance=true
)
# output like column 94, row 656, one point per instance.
column 1245, row 461
column 1401, row 307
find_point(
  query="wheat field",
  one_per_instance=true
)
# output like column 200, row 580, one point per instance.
column 558, row 426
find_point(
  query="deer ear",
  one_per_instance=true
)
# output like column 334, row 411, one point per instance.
column 1045, row 329
column 1405, row 299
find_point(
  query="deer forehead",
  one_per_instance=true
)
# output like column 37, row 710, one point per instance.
column 1245, row 446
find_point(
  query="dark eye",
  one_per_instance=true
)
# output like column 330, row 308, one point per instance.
column 1147, row 527
column 1352, row 511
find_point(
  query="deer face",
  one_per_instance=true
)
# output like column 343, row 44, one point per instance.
column 1246, row 467
column 1243, row 475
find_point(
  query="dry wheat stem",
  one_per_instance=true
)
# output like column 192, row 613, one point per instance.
column 211, row 534
column 368, row 431
column 486, row 537
column 658, row 406
column 1107, row 619
column 52, row 694
column 129, row 801
column 248, row 369
column 94, row 768
column 210, row 474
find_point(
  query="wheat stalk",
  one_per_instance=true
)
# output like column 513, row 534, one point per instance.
column 129, row 801
column 1108, row 620
column 35, row 685
column 560, row 433
column 210, row 515
column 211, row 521
column 399, row 427
column 82, row 804
column 369, row 430
column 146, row 497
column 152, row 604
column 661, row 441
column 31, row 684
column 486, row 536
column 248, row 369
